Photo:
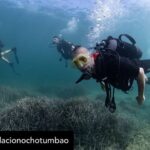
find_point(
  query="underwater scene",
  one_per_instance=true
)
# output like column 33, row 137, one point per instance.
column 39, row 89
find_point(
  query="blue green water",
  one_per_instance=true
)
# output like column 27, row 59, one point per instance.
column 29, row 25
column 27, row 101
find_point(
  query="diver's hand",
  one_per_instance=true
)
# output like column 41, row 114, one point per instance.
column 140, row 99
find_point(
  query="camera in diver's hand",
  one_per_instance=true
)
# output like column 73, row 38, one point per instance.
column 100, row 45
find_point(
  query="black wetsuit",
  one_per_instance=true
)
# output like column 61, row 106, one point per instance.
column 65, row 48
column 118, row 71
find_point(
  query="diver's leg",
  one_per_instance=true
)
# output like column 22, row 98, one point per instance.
column 6, row 52
column 5, row 59
column 14, row 50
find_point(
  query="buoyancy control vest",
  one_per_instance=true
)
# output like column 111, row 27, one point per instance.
column 107, row 65
column 109, row 75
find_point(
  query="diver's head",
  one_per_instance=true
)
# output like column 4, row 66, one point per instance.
column 82, row 59
column 56, row 40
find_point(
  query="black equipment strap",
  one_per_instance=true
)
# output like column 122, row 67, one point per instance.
column 110, row 100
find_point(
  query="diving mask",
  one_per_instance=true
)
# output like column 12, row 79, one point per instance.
column 80, row 61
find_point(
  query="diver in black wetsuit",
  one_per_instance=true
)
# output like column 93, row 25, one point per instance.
column 108, row 67
column 64, row 48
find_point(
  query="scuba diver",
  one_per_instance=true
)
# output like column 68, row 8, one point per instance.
column 6, row 52
column 112, row 69
column 64, row 48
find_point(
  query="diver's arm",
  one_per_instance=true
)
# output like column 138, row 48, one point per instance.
column 141, row 86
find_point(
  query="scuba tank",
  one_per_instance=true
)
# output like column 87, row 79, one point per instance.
column 124, row 49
